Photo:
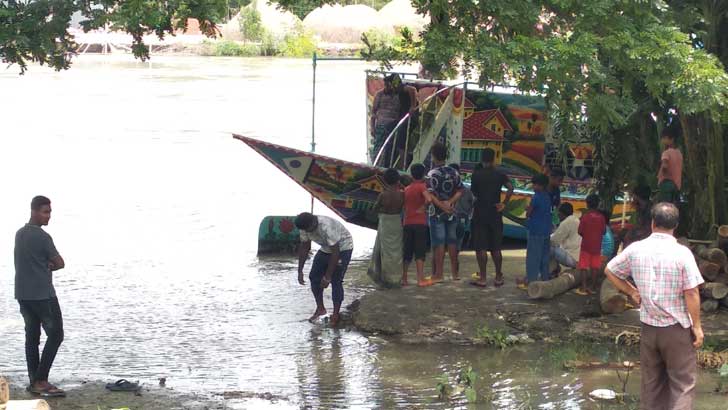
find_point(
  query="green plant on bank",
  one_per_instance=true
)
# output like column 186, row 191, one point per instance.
column 379, row 38
column 229, row 48
column 495, row 337
column 443, row 388
column 722, row 378
column 467, row 379
column 251, row 26
column 298, row 43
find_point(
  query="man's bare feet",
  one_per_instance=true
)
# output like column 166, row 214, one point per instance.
column 404, row 282
column 317, row 314
column 45, row 389
column 425, row 283
column 334, row 320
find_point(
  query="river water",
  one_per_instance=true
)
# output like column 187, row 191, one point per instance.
column 156, row 211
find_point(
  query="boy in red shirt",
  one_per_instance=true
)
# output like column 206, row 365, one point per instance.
column 416, row 199
column 591, row 228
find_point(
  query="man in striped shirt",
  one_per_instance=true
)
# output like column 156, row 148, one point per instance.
column 667, row 280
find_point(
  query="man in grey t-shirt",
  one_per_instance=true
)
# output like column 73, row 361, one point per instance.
column 36, row 258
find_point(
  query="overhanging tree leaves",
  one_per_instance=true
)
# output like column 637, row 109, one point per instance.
column 37, row 30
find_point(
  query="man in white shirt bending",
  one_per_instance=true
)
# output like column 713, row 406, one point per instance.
column 329, row 264
column 566, row 241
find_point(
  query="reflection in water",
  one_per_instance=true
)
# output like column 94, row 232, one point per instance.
column 156, row 210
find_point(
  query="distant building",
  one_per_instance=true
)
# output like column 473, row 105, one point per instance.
column 481, row 130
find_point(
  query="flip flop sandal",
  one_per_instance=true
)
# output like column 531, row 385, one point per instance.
column 479, row 283
column 581, row 292
column 475, row 275
column 123, row 385
column 522, row 286
column 50, row 391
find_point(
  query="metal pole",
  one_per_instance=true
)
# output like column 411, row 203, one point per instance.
column 313, row 114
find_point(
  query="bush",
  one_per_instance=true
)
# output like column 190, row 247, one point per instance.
column 298, row 43
column 269, row 45
column 251, row 26
column 379, row 38
column 227, row 48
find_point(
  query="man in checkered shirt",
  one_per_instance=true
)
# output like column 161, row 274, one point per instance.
column 667, row 280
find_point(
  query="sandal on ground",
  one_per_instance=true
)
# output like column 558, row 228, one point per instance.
column 581, row 292
column 48, row 391
column 479, row 283
column 123, row 385
column 475, row 275
column 522, row 286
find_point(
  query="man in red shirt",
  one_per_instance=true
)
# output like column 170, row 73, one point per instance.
column 669, row 177
column 591, row 228
column 416, row 199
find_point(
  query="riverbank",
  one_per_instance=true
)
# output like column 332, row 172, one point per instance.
column 94, row 396
column 459, row 313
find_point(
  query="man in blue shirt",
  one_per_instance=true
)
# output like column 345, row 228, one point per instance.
column 556, row 178
column 539, row 231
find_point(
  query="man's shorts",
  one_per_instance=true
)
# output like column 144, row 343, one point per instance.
column 443, row 231
column 415, row 242
column 487, row 234
column 589, row 261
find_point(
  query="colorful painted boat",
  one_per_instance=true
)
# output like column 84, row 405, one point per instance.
column 350, row 189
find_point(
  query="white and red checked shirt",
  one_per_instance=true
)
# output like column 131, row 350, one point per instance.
column 662, row 269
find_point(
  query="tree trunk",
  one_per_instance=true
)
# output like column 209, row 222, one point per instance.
column 705, row 171
column 710, row 305
column 611, row 300
column 548, row 289
column 709, row 270
column 714, row 290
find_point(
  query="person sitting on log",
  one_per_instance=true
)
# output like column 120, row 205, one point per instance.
column 566, row 241
column 591, row 228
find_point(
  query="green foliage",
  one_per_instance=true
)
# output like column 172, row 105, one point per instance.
column 495, row 337
column 229, row 48
column 379, row 38
column 298, row 43
column 251, row 26
column 467, row 379
column 443, row 388
column 37, row 30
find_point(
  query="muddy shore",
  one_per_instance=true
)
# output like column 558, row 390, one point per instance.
column 459, row 313
column 94, row 396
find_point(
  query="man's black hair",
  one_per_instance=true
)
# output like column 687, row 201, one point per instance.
column 38, row 202
column 558, row 173
column 566, row 209
column 670, row 132
column 391, row 176
column 592, row 201
column 488, row 156
column 540, row 179
column 642, row 192
column 439, row 151
column 417, row 171
column 665, row 215
column 455, row 166
column 305, row 220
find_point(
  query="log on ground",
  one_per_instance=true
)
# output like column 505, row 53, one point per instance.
column 723, row 238
column 714, row 290
column 611, row 300
column 714, row 255
column 27, row 405
column 4, row 391
column 709, row 305
column 708, row 269
column 551, row 288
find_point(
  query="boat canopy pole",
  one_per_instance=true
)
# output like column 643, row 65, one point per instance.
column 315, row 58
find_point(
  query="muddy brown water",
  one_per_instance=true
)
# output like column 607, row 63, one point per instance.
column 156, row 211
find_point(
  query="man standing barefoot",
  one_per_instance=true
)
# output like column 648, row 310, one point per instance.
column 667, row 280
column 36, row 258
column 330, row 262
